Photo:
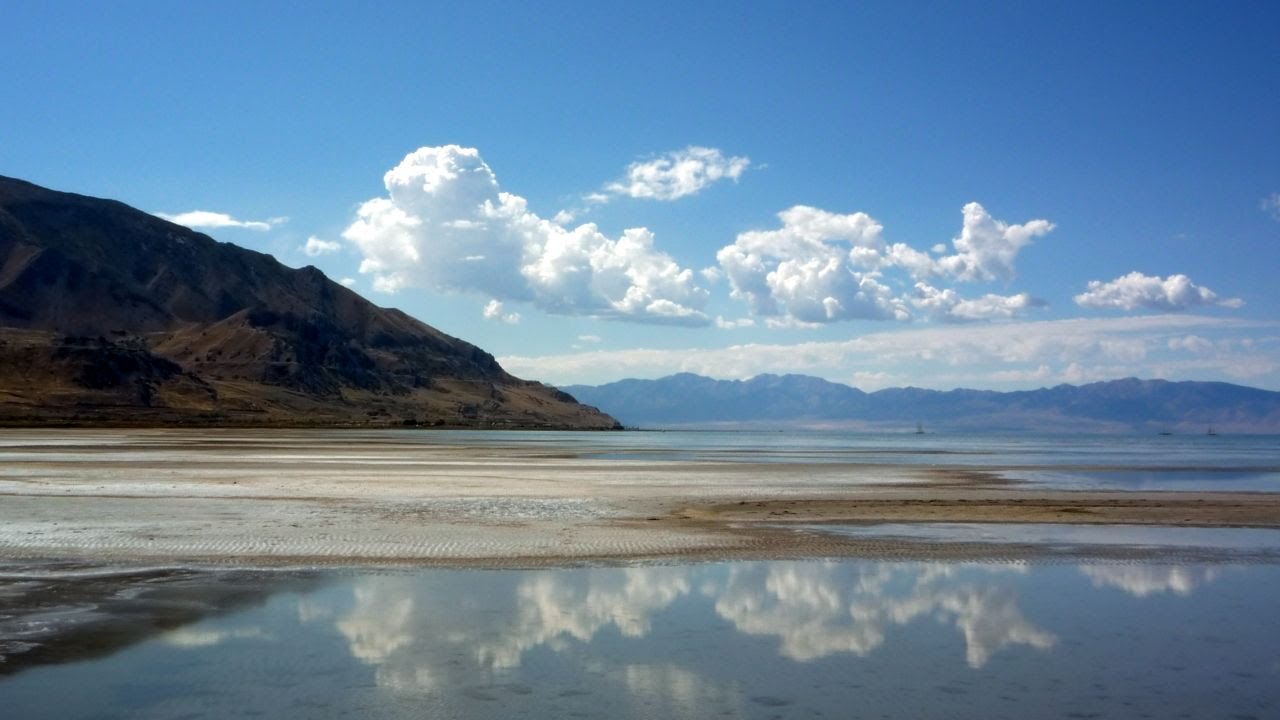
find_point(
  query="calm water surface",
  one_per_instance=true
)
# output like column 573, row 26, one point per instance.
column 1124, row 462
column 741, row 639
column 1129, row 462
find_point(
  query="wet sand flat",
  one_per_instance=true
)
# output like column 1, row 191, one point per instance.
column 328, row 498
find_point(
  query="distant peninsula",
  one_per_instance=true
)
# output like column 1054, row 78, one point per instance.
column 800, row 401
column 112, row 316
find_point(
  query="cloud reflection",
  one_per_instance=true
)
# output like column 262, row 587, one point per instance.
column 381, row 622
column 187, row 637
column 1143, row 580
column 458, row 636
column 816, row 612
column 552, row 609
column 442, row 634
column 676, row 692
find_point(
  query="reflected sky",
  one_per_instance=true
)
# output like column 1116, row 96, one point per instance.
column 1227, row 542
column 740, row 639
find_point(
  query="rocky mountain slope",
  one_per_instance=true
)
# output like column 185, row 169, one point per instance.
column 111, row 315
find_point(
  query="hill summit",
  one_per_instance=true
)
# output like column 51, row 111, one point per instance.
column 111, row 315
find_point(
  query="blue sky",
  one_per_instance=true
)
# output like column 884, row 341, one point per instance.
column 935, row 194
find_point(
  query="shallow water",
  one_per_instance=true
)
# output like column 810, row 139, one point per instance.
column 1121, row 462
column 1248, row 542
column 739, row 639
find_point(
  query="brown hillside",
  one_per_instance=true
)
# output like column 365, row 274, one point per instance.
column 108, row 314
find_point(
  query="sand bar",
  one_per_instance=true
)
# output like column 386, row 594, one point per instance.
column 322, row 498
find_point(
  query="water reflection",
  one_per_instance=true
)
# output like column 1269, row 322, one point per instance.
column 763, row 639
column 61, row 612
column 815, row 610
column 192, row 638
column 419, row 635
column 673, row 691
column 1143, row 580
column 382, row 621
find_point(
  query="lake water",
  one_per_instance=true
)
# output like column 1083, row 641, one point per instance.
column 1124, row 462
column 1129, row 462
column 841, row 638
column 742, row 639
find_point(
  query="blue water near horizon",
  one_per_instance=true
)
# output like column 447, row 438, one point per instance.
column 967, row 448
column 1122, row 462
column 1226, row 462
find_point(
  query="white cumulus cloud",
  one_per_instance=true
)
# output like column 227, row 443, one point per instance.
column 1137, row 291
column 813, row 269
column 315, row 246
column 493, row 311
column 196, row 219
column 820, row 267
column 948, row 306
column 446, row 225
column 986, row 248
column 675, row 175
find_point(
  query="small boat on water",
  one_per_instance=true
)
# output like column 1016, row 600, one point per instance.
column 1210, row 431
column 919, row 429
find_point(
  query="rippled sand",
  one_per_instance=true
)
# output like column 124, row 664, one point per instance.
column 315, row 497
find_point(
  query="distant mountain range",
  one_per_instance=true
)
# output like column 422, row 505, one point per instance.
column 1128, row 405
column 111, row 315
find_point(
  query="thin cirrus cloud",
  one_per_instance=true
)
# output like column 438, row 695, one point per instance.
column 1011, row 354
column 445, row 225
column 821, row 267
column 1137, row 291
column 199, row 219
column 674, row 175
column 1271, row 205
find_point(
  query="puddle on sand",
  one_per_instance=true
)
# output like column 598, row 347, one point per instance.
column 737, row 639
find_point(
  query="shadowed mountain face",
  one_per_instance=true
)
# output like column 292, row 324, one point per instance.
column 798, row 400
column 108, row 314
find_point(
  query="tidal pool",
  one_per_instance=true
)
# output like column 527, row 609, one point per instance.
column 735, row 639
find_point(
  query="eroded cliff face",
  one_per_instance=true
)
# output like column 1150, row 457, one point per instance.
column 108, row 314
